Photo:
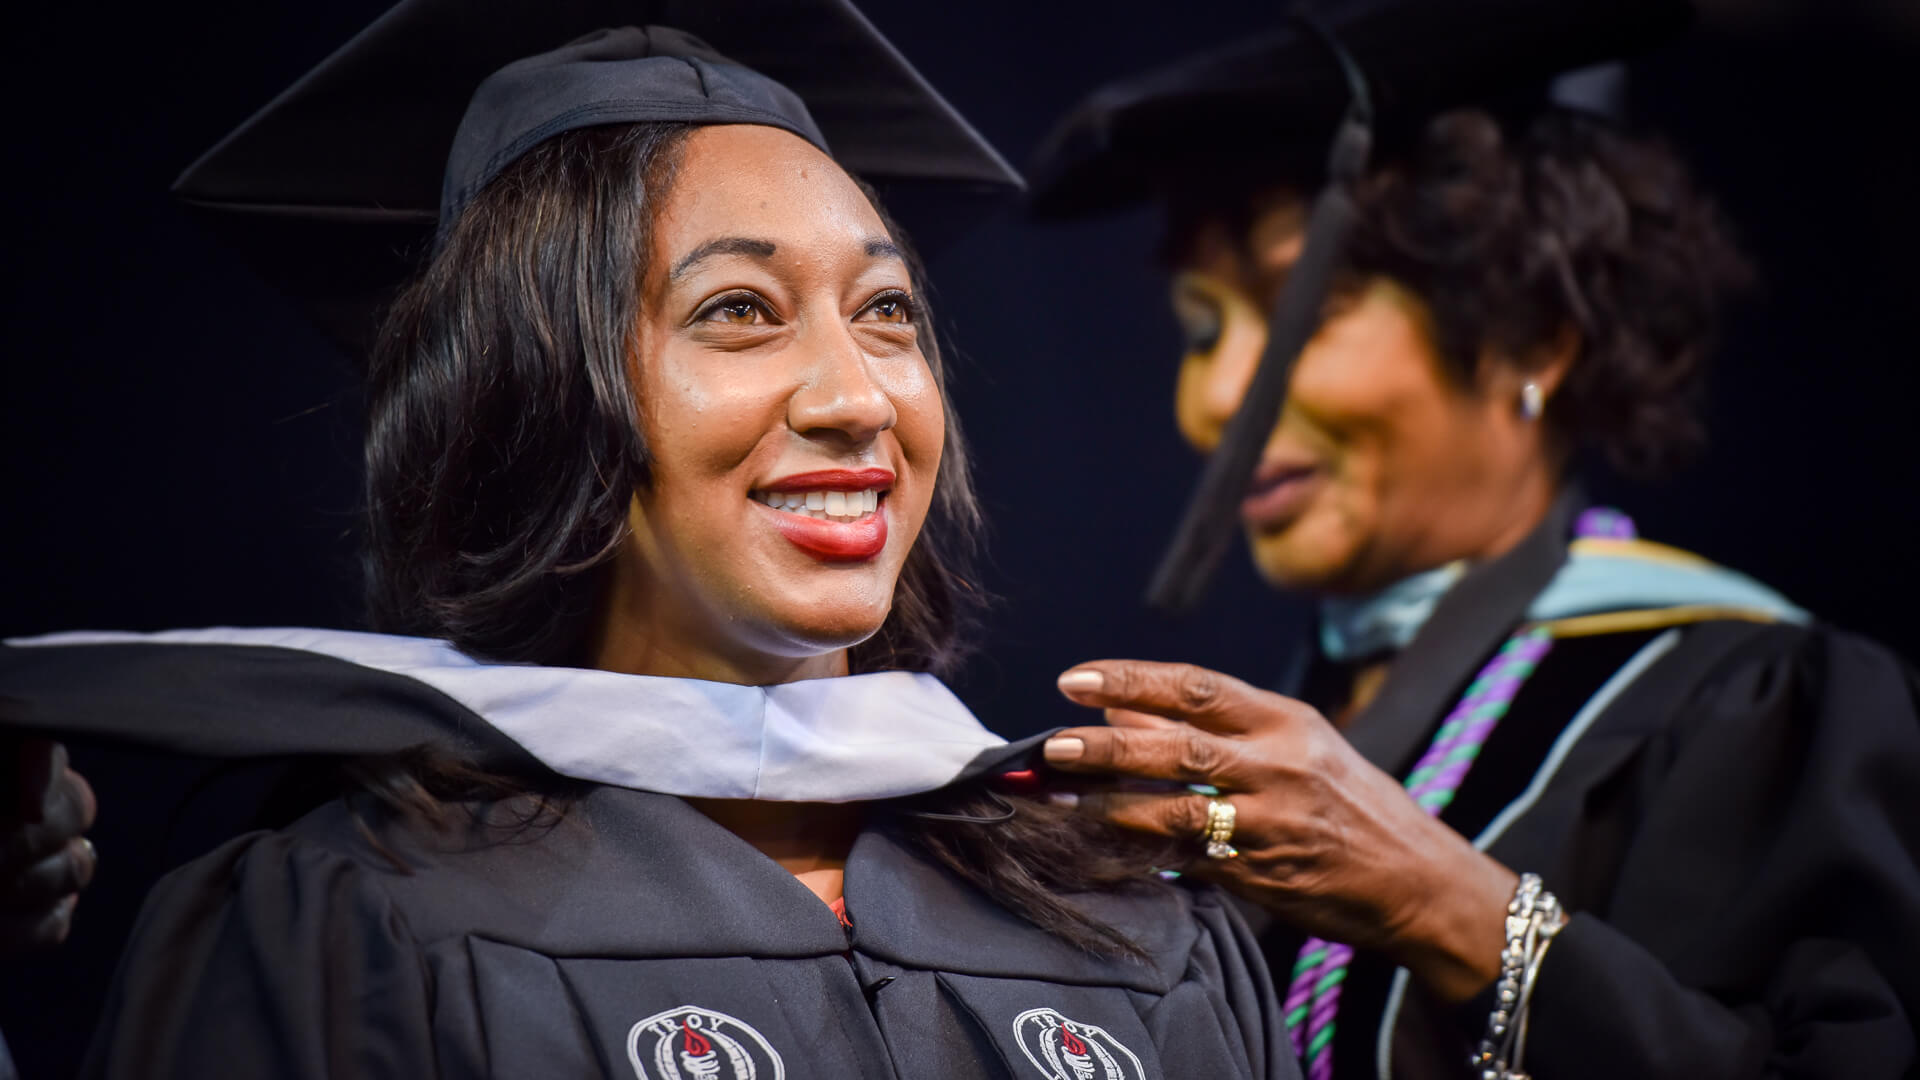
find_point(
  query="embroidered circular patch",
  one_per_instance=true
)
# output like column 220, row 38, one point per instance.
column 692, row 1043
column 1064, row 1049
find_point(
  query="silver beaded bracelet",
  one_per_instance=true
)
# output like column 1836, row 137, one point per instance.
column 1534, row 917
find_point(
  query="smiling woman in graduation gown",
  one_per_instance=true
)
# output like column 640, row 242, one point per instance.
column 1716, row 786
column 653, row 776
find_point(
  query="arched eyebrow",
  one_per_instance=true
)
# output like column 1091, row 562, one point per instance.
column 726, row 245
column 877, row 247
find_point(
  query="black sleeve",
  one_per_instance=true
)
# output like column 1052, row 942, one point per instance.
column 1766, row 919
column 268, row 957
column 1615, row 1010
column 1226, row 983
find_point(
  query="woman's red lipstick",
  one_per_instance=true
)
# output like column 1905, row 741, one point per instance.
column 834, row 480
column 834, row 541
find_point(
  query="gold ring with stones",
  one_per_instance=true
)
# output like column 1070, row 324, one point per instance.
column 1219, row 831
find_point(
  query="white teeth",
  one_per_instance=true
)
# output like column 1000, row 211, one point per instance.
column 840, row 506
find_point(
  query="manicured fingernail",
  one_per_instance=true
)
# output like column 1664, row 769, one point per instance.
column 1064, row 749
column 1084, row 680
column 1068, row 799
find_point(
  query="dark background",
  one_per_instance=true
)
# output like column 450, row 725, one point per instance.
column 181, row 446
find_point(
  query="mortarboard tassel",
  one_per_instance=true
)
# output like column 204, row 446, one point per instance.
column 1209, row 523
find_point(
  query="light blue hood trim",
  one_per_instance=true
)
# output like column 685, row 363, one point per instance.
column 1600, row 575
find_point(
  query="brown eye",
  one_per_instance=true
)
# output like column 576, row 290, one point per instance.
column 892, row 308
column 735, row 311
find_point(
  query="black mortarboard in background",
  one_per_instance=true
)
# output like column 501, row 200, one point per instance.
column 1269, row 103
column 332, row 191
column 1266, row 108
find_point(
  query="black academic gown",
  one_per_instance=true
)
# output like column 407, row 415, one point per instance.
column 634, row 931
column 1737, row 834
column 630, row 937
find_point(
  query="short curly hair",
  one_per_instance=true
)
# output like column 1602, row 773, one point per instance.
column 1515, row 231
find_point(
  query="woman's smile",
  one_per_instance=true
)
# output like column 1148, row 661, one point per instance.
column 1379, row 464
column 835, row 515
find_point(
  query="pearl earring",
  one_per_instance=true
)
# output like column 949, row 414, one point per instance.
column 1533, row 400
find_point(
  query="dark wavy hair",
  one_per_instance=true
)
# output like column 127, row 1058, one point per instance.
column 1518, row 226
column 503, row 447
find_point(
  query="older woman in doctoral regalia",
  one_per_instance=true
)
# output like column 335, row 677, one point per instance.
column 1542, row 788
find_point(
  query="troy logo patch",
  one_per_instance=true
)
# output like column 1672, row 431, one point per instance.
column 1064, row 1049
column 692, row 1043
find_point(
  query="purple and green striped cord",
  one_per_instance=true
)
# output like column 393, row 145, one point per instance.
column 1313, row 995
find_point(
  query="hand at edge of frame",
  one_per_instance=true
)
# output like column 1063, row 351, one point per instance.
column 45, row 858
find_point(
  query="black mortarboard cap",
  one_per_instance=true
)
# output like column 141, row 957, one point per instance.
column 1271, row 101
column 1268, row 107
column 333, row 190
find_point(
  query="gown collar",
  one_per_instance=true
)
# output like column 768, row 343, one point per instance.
column 853, row 738
column 1354, row 628
column 1465, row 624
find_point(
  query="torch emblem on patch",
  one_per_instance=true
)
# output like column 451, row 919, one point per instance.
column 692, row 1043
column 1064, row 1049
